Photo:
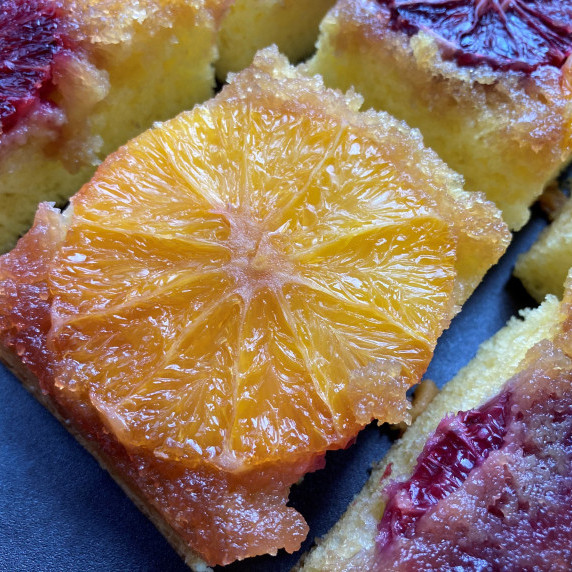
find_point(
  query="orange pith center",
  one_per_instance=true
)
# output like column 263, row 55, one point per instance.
column 257, row 262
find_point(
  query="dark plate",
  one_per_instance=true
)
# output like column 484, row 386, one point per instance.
column 60, row 512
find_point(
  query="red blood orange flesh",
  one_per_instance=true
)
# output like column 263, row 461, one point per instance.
column 30, row 38
column 506, row 34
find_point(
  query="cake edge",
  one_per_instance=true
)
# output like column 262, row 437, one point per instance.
column 30, row 382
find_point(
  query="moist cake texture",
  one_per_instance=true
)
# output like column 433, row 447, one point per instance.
column 250, row 25
column 542, row 269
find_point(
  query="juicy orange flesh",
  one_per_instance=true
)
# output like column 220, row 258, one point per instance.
column 221, row 291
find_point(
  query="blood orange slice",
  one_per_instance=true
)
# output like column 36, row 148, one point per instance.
column 508, row 35
column 255, row 280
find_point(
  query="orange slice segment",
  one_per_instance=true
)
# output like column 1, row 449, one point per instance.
column 255, row 280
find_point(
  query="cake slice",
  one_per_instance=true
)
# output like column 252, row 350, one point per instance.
column 237, row 291
column 487, row 83
column 250, row 25
column 458, row 486
column 79, row 78
column 542, row 269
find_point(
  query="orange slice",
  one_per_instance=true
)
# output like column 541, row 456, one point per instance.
column 253, row 281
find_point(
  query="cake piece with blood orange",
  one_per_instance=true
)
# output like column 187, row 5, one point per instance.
column 481, row 477
column 488, row 83
column 78, row 78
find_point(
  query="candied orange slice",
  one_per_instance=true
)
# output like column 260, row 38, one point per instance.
column 255, row 280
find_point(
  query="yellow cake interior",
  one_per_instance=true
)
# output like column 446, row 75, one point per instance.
column 543, row 268
column 250, row 25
